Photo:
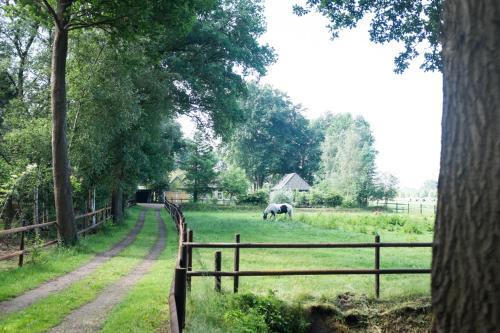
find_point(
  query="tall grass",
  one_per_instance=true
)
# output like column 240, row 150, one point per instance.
column 368, row 223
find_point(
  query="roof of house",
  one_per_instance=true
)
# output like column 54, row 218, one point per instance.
column 292, row 181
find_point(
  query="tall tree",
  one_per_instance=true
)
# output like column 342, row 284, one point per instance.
column 275, row 138
column 348, row 157
column 199, row 163
column 123, row 18
column 465, row 283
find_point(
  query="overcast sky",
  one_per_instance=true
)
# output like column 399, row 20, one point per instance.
column 352, row 74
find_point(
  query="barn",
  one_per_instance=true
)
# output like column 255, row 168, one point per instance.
column 292, row 182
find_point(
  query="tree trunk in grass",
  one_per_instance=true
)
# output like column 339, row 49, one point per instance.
column 60, row 163
column 117, row 204
column 466, row 253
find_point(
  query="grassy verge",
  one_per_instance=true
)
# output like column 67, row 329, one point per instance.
column 57, row 261
column 145, row 309
column 51, row 310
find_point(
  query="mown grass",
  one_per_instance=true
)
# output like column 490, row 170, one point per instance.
column 203, row 313
column 51, row 310
column 57, row 261
column 145, row 308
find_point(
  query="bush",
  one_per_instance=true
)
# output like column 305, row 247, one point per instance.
column 281, row 196
column 332, row 199
column 302, row 199
column 259, row 197
column 350, row 202
column 252, row 313
column 325, row 198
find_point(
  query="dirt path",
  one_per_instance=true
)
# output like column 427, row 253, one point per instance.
column 91, row 316
column 62, row 282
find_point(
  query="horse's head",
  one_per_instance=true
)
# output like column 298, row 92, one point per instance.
column 264, row 216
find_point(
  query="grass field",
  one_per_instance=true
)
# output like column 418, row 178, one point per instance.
column 209, row 312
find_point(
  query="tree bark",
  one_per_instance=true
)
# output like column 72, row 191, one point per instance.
column 117, row 204
column 60, row 163
column 466, row 253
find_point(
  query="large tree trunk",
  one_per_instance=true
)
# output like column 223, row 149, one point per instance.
column 117, row 204
column 61, row 171
column 466, row 253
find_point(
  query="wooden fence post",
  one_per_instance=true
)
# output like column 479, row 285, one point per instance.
column 377, row 266
column 236, row 263
column 421, row 209
column 189, row 258
column 180, row 295
column 218, row 262
column 21, row 247
column 408, row 208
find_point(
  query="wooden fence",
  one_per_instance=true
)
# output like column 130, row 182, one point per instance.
column 85, row 222
column 184, row 272
column 404, row 207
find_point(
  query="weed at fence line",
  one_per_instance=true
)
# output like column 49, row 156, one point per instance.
column 247, row 313
column 35, row 246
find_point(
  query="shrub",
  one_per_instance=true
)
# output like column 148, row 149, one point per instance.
column 332, row 199
column 259, row 197
column 327, row 198
column 281, row 196
column 302, row 199
column 254, row 311
column 350, row 202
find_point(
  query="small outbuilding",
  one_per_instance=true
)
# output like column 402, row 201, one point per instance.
column 292, row 182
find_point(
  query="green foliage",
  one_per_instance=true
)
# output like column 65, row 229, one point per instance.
column 276, row 138
column 234, row 181
column 281, row 196
column 35, row 246
column 199, row 164
column 416, row 24
column 265, row 314
column 348, row 157
column 386, row 187
column 259, row 198
column 318, row 197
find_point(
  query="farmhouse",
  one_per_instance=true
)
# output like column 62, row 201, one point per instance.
column 292, row 182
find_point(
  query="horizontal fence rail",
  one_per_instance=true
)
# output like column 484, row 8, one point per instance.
column 302, row 245
column 313, row 272
column 87, row 224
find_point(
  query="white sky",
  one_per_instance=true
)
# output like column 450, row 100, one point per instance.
column 352, row 74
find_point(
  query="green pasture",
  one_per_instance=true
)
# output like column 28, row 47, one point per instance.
column 204, row 310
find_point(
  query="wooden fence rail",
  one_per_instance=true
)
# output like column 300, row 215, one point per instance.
column 87, row 224
column 184, row 270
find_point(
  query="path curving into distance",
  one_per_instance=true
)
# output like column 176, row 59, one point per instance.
column 62, row 282
column 91, row 316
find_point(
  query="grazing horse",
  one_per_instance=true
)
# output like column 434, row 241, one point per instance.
column 281, row 208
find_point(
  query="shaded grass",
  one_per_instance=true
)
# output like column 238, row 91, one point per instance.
column 51, row 310
column 57, row 261
column 145, row 308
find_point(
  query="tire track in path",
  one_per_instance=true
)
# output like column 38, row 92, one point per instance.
column 91, row 316
column 62, row 282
